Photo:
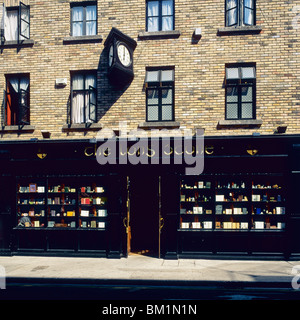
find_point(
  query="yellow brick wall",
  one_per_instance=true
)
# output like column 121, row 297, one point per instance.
column 199, row 67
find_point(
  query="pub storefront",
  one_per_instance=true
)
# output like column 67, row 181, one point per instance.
column 56, row 199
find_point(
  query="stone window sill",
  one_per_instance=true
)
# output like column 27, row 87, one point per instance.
column 18, row 129
column 159, row 124
column 82, row 127
column 240, row 123
column 15, row 44
column 82, row 39
column 145, row 35
column 239, row 30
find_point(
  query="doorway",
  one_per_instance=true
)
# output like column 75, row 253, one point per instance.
column 144, row 215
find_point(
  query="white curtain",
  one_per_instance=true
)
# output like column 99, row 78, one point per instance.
column 77, row 24
column 11, row 25
column 167, row 15
column 248, row 13
column 153, row 16
column 231, row 14
column 80, row 100
column 91, row 17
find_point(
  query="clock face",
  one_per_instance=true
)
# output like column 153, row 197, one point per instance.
column 111, row 55
column 124, row 55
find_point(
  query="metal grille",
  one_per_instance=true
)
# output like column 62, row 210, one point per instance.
column 167, row 113
column 152, row 96
column 247, row 110
column 167, row 96
column 247, row 94
column 232, row 94
column 232, row 111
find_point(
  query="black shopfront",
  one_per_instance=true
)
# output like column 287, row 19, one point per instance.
column 56, row 199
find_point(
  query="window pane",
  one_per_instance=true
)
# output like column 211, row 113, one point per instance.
column 167, row 113
column 152, row 113
column 167, row 96
column 167, row 75
column 249, row 4
column 152, row 76
column 248, row 17
column 248, row 73
column 77, row 29
column 247, row 95
column 232, row 94
column 91, row 13
column 231, row 17
column 90, row 80
column 77, row 14
column 152, row 24
column 167, row 8
column 247, row 111
column 232, row 73
column 77, row 82
column 167, row 23
column 152, row 8
column 91, row 28
column 152, row 96
column 231, row 4
column 232, row 111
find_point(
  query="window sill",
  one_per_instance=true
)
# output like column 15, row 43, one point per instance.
column 145, row 35
column 239, row 30
column 239, row 123
column 82, row 39
column 159, row 124
column 82, row 127
column 15, row 44
column 20, row 128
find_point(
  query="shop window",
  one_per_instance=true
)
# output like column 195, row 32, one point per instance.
column 83, row 19
column 160, row 15
column 240, row 87
column 17, row 109
column 240, row 13
column 83, row 97
column 15, row 23
column 160, row 94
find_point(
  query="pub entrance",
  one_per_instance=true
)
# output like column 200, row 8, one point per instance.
column 143, row 236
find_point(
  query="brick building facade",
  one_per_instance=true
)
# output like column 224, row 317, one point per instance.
column 230, row 67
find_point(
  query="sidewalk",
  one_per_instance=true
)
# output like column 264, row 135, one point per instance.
column 143, row 268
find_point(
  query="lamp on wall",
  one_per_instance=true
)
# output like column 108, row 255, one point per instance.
column 46, row 134
column 281, row 129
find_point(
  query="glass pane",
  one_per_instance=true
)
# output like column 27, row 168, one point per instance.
column 167, row 8
column 91, row 28
column 77, row 14
column 167, row 113
column 152, row 96
column 11, row 25
column 232, row 94
column 77, row 29
column 167, row 23
column 232, row 111
column 152, row 76
column 152, row 113
column 90, row 80
column 248, row 73
column 231, row 17
column 231, row 4
column 247, row 111
column 232, row 73
column 249, row 4
column 248, row 17
column 167, row 75
column 167, row 96
column 152, row 8
column 91, row 13
column 152, row 24
column 247, row 94
column 77, row 82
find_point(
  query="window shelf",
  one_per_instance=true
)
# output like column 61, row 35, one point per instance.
column 239, row 30
column 83, row 39
column 145, row 35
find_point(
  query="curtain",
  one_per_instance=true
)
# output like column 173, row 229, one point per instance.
column 14, row 83
column 11, row 25
column 91, row 18
column 248, row 12
column 77, row 21
column 153, row 16
column 231, row 12
column 80, row 100
column 167, row 15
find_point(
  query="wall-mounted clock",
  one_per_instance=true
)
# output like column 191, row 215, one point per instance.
column 120, row 49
